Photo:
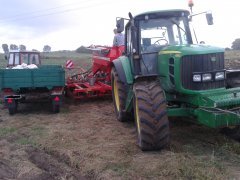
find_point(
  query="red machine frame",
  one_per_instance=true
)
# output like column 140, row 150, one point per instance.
column 95, row 82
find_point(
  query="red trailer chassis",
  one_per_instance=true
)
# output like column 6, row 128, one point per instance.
column 95, row 82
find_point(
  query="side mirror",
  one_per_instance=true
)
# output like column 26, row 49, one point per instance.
column 209, row 18
column 120, row 25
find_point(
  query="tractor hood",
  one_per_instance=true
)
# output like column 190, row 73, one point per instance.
column 181, row 61
column 191, row 49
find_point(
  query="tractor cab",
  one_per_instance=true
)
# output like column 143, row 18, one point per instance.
column 149, row 33
column 159, row 32
column 27, row 57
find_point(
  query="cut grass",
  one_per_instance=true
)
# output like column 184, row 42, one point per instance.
column 38, row 131
column 27, row 141
column 6, row 130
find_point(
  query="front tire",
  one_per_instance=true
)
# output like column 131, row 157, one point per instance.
column 150, row 114
column 119, row 95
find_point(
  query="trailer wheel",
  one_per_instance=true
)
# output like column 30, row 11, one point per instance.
column 56, row 108
column 150, row 115
column 13, row 108
column 119, row 95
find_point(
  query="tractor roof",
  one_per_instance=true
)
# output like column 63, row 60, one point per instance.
column 163, row 14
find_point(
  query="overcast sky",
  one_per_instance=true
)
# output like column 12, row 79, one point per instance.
column 66, row 25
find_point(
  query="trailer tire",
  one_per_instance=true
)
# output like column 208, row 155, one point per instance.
column 119, row 95
column 56, row 108
column 12, row 109
column 150, row 114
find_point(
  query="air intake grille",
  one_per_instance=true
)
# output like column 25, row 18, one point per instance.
column 201, row 63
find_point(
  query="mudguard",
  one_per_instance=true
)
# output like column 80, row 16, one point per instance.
column 123, row 68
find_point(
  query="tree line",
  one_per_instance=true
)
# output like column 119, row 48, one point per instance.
column 21, row 47
column 236, row 44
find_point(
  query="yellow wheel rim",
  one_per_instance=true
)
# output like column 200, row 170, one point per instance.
column 137, row 116
column 116, row 96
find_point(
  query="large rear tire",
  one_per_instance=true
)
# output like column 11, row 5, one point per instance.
column 119, row 95
column 150, row 114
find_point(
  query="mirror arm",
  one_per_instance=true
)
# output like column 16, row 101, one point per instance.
column 205, row 12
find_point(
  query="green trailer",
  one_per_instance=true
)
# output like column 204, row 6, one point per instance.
column 163, row 73
column 24, row 85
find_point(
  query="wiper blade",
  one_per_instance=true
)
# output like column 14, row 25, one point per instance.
column 178, row 26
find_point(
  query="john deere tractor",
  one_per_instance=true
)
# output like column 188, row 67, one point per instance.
column 162, row 74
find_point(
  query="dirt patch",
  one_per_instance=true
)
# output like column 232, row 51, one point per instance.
column 27, row 162
column 6, row 171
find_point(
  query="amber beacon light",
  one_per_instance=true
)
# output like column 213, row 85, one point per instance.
column 190, row 3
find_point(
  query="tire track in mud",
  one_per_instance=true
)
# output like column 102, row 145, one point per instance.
column 26, row 162
column 52, row 167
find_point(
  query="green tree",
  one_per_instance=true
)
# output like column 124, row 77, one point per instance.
column 5, row 48
column 83, row 49
column 22, row 47
column 47, row 48
column 13, row 47
column 236, row 44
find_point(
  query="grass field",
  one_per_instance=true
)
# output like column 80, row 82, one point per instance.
column 59, row 58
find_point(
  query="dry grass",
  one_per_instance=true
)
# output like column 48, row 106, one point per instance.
column 232, row 59
column 87, row 138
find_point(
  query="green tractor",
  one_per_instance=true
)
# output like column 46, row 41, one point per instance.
column 163, row 74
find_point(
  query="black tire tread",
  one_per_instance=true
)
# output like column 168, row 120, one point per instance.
column 154, row 125
column 122, row 92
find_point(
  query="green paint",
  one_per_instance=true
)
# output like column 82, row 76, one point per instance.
column 45, row 76
column 127, row 68
column 129, row 104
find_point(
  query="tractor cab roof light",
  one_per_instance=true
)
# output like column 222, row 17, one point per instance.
column 190, row 3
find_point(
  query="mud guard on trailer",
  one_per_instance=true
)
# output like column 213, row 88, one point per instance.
column 123, row 69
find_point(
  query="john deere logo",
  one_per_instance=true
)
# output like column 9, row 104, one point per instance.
column 213, row 59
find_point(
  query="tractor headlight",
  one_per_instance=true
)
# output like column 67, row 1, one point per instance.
column 206, row 77
column 219, row 76
column 197, row 78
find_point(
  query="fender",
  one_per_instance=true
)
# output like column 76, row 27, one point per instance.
column 123, row 68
